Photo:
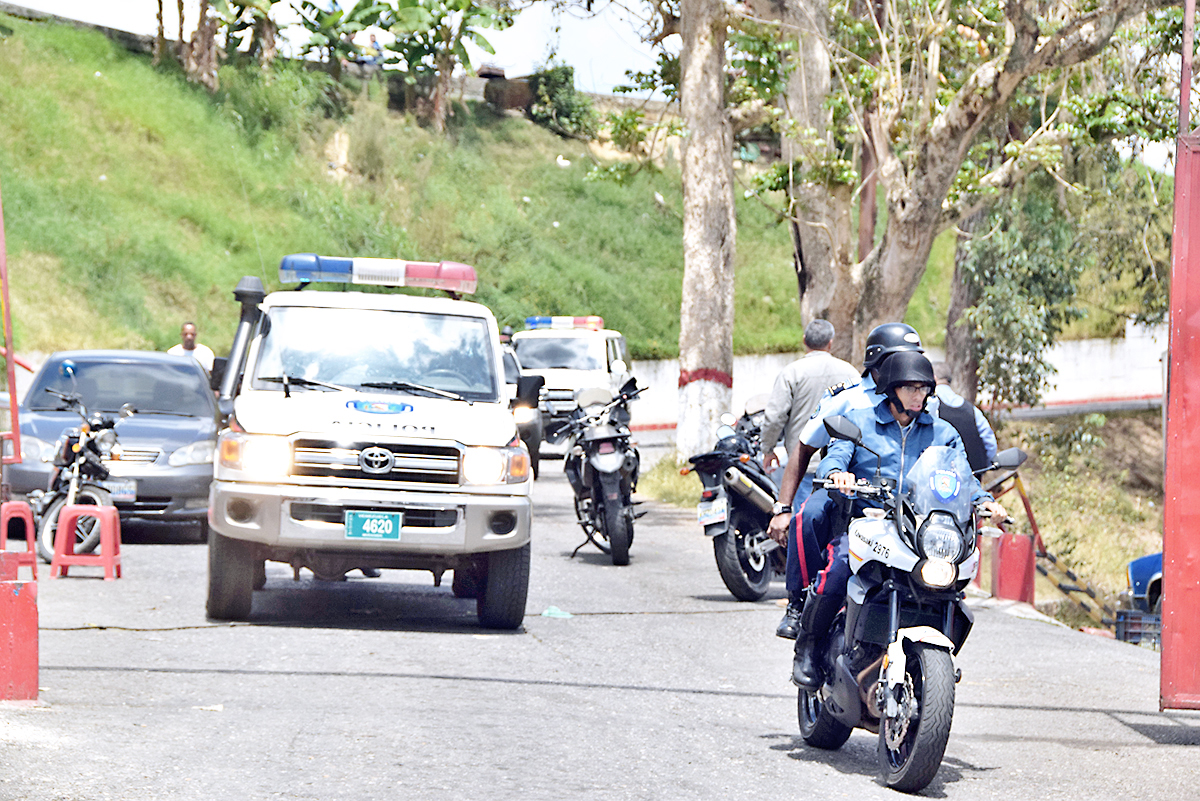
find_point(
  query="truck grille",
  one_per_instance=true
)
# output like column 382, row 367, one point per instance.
column 414, row 517
column 411, row 464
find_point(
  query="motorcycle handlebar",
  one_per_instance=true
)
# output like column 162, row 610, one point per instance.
column 862, row 487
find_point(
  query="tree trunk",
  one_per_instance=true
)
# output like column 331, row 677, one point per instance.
column 201, row 63
column 160, row 40
column 265, row 45
column 960, row 337
column 441, row 92
column 181, row 43
column 709, row 230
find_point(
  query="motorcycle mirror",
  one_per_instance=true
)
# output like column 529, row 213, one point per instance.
column 724, row 432
column 630, row 385
column 727, row 419
column 618, row 367
column 1011, row 458
column 127, row 410
column 840, row 427
column 67, row 369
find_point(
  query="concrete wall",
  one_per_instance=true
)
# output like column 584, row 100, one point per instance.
column 1092, row 373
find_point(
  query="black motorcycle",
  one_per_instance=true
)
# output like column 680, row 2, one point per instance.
column 887, row 660
column 79, row 475
column 602, row 467
column 735, row 507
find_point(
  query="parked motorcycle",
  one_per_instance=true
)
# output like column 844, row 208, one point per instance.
column 887, row 660
column 735, row 507
column 602, row 467
column 78, row 475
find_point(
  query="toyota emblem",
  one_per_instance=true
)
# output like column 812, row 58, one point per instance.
column 375, row 460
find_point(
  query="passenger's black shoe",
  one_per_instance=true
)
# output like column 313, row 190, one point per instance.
column 804, row 669
column 789, row 627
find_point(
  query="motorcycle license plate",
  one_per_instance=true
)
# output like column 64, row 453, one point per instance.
column 373, row 525
column 123, row 490
column 714, row 511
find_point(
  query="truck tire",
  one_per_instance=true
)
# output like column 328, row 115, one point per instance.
column 501, row 605
column 231, row 577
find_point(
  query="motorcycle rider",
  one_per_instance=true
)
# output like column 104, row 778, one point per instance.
column 804, row 557
column 897, row 428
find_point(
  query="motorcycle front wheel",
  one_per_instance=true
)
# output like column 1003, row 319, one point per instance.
column 618, row 529
column 913, row 741
column 745, row 571
column 87, row 530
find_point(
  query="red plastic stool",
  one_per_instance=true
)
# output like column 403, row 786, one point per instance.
column 19, row 510
column 110, row 541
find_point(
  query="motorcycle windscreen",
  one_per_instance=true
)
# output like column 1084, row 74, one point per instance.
column 941, row 480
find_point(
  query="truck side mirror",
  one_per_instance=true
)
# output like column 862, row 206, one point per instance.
column 218, row 373
column 529, row 390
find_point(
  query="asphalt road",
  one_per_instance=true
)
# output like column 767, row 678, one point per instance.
column 658, row 686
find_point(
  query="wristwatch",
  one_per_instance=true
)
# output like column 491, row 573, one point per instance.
column 781, row 509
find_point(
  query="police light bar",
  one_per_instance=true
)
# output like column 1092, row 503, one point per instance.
column 447, row 275
column 591, row 322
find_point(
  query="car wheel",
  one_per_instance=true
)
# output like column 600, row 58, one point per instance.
column 506, row 588
column 231, row 577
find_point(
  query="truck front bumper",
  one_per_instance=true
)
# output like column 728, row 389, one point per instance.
column 289, row 517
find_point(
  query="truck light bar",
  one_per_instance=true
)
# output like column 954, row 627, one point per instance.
column 447, row 275
column 591, row 322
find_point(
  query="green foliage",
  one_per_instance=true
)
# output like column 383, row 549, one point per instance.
column 331, row 32
column 758, row 63
column 288, row 100
column 1027, row 269
column 663, row 482
column 431, row 32
column 558, row 106
column 1059, row 444
column 664, row 78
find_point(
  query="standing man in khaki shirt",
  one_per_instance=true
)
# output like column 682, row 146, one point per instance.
column 798, row 389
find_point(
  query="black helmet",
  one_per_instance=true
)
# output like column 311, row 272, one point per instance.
column 890, row 338
column 904, row 367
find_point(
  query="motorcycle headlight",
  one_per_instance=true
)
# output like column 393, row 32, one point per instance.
column 261, row 456
column 940, row 538
column 200, row 452
column 105, row 440
column 938, row 573
column 508, row 465
column 523, row 415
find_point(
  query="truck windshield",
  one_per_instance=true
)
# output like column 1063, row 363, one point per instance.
column 374, row 348
column 570, row 353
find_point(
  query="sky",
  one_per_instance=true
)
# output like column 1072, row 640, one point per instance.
column 600, row 49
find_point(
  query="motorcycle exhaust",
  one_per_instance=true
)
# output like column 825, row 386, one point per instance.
column 740, row 483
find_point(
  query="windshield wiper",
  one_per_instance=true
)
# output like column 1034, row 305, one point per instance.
column 289, row 380
column 410, row 386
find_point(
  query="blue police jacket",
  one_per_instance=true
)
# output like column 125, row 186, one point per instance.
column 898, row 450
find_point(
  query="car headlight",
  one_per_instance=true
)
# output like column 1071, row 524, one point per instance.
column 260, row 455
column 508, row 465
column 523, row 415
column 200, row 452
column 36, row 450
column 940, row 538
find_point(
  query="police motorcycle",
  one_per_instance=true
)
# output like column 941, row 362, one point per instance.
column 887, row 659
column 736, row 505
column 602, row 467
column 79, row 473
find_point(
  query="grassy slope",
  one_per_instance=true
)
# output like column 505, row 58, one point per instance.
column 136, row 196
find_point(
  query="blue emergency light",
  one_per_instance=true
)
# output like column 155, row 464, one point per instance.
column 449, row 276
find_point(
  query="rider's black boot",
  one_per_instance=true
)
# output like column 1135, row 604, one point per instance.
column 819, row 611
column 789, row 626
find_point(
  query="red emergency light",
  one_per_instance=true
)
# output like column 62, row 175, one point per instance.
column 449, row 276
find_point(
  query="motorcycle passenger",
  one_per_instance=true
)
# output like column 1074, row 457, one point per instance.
column 898, row 428
column 804, row 558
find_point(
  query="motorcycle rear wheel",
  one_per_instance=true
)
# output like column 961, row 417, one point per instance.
column 618, row 529
column 912, row 743
column 87, row 530
column 818, row 727
column 747, row 576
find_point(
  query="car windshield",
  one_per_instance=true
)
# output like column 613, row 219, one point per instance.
column 571, row 353
column 511, row 371
column 376, row 349
column 107, row 386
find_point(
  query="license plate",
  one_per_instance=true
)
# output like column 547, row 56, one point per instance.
column 373, row 525
column 709, row 512
column 123, row 490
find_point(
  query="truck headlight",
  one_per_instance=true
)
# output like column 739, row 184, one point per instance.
column 523, row 415
column 259, row 455
column 200, row 452
column 508, row 465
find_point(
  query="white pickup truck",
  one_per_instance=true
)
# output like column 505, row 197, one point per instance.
column 368, row 431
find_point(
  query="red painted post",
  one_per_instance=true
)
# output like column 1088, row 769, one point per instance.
column 18, row 634
column 1013, row 568
column 1179, row 678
